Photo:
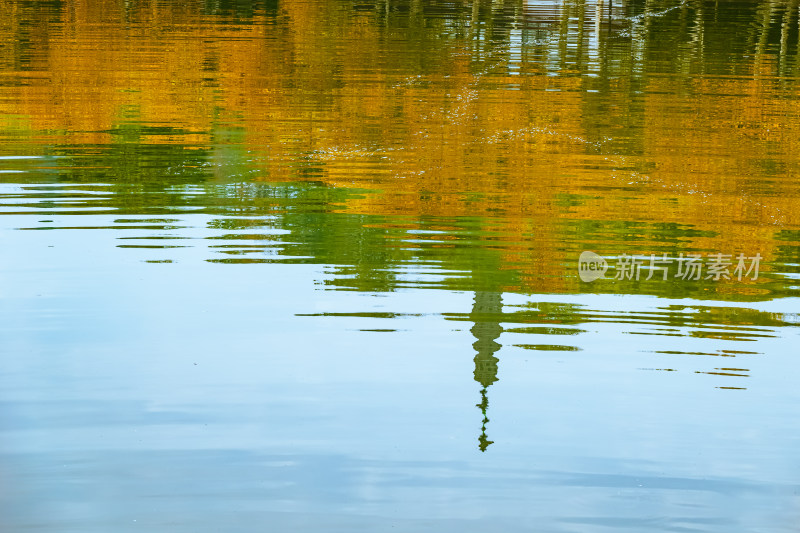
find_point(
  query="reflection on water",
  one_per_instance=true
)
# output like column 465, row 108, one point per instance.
column 247, row 245
column 486, row 332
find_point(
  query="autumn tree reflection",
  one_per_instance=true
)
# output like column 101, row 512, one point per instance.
column 615, row 123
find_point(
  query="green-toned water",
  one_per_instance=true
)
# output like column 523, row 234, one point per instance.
column 316, row 266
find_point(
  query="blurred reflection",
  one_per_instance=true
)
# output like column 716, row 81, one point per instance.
column 414, row 151
column 486, row 311
column 530, row 129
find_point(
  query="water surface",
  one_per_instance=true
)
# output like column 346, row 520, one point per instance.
column 314, row 266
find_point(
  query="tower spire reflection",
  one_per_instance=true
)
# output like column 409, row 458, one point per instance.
column 486, row 311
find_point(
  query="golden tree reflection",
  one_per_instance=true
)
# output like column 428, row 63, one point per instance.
column 535, row 115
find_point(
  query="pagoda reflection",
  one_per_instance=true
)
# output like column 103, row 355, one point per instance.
column 486, row 312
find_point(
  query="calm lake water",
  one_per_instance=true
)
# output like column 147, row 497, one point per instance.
column 315, row 265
